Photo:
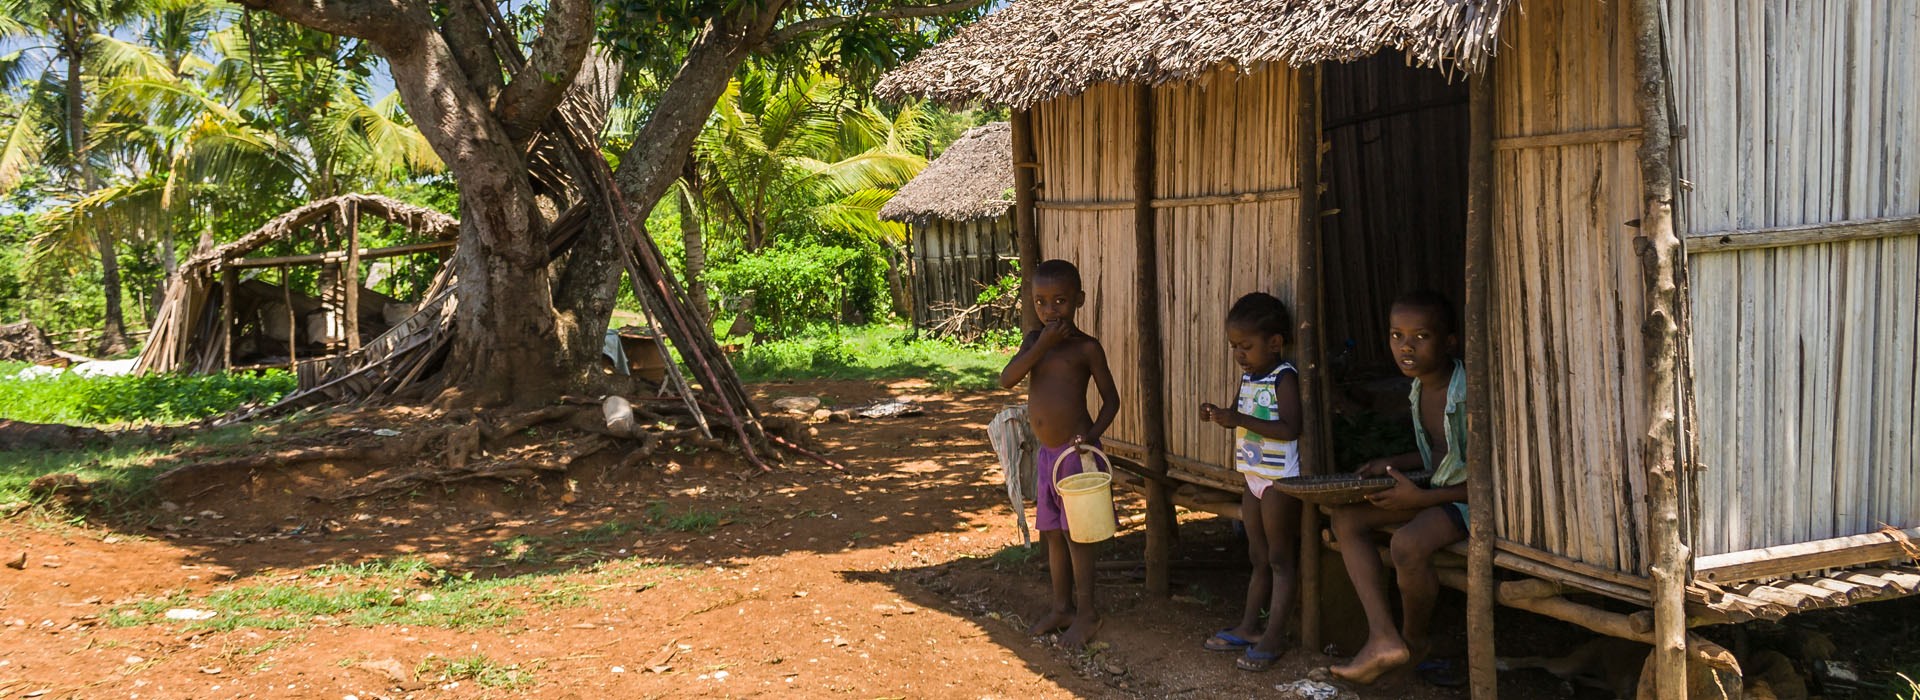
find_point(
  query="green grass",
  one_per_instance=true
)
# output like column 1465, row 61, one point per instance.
column 881, row 351
column 156, row 398
column 699, row 522
column 379, row 592
column 118, row 474
column 478, row 668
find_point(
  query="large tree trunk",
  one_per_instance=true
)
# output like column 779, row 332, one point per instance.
column 113, row 338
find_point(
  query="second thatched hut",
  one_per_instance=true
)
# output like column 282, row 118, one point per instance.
column 960, row 212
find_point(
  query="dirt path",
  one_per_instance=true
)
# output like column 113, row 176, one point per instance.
column 892, row 579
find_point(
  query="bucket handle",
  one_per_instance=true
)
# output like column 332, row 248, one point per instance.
column 1080, row 449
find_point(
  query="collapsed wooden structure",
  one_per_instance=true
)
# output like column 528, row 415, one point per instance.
column 959, row 213
column 1693, row 359
column 220, row 311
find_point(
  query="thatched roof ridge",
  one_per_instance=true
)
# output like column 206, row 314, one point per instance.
column 1035, row 50
column 970, row 180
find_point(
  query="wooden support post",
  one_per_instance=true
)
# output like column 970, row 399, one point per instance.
column 1153, row 400
column 293, row 321
column 1316, row 442
column 229, row 278
column 1660, row 255
column 1023, row 224
column 350, row 277
column 1480, row 491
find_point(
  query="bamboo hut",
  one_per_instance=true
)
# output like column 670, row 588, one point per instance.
column 959, row 212
column 223, row 311
column 1687, row 235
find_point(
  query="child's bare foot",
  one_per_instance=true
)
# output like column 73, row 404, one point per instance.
column 1052, row 621
column 1374, row 660
column 1081, row 631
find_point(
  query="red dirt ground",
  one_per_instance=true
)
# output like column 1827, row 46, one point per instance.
column 878, row 581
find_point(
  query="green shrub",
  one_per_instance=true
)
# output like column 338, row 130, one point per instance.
column 880, row 351
column 162, row 398
column 798, row 285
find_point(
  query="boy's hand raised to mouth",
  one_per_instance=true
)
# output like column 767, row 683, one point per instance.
column 1052, row 333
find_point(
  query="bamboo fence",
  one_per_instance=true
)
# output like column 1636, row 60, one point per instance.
column 1569, row 400
column 1803, row 154
column 953, row 261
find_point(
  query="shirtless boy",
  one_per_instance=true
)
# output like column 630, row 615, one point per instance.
column 1059, row 359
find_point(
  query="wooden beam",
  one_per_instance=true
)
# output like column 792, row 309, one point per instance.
column 1835, row 232
column 1569, row 138
column 317, row 258
column 293, row 320
column 1316, row 442
column 1605, row 622
column 1174, row 202
column 229, row 278
column 350, row 277
column 1023, row 211
column 1837, row 552
column 1153, row 389
column 1660, row 260
column 1481, row 669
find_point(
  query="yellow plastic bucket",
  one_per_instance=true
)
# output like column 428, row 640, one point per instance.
column 1087, row 497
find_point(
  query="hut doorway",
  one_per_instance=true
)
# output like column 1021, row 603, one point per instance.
column 1396, row 178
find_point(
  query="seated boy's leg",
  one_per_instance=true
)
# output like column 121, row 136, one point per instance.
column 1413, row 548
column 1384, row 650
column 1060, row 568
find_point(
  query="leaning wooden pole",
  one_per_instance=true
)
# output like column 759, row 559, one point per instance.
column 1480, row 490
column 1153, row 388
column 1660, row 253
column 350, row 275
column 1024, row 170
column 1309, row 337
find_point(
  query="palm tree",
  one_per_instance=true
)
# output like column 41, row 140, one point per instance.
column 796, row 152
column 68, row 47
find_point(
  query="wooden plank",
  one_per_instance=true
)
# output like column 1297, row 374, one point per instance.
column 1856, row 230
column 364, row 254
column 1782, row 560
column 1021, row 126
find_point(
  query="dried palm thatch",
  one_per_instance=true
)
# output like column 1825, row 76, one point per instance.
column 972, row 179
column 1035, row 50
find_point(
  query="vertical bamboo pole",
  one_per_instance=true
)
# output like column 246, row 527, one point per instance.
column 1024, row 169
column 1153, row 400
column 1659, row 256
column 1480, row 490
column 1316, row 445
column 350, row 276
column 293, row 321
column 229, row 277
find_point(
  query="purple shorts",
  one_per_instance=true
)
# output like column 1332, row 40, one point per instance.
column 1047, row 508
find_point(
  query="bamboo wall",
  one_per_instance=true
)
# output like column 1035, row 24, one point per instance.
column 1084, row 146
column 1227, row 224
column 953, row 261
column 1569, row 398
column 1223, row 134
column 1396, row 174
column 1805, row 373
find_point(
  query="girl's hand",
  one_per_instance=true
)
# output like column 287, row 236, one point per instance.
column 1373, row 467
column 1403, row 496
column 1226, row 417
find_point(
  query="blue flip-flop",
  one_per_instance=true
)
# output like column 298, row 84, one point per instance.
column 1440, row 672
column 1225, row 640
column 1257, row 660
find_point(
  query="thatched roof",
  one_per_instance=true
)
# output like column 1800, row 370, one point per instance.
column 1035, row 50
column 970, row 180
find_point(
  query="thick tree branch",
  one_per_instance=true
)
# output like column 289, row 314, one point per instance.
column 539, row 84
column 465, row 31
column 816, row 25
column 386, row 23
column 650, row 165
